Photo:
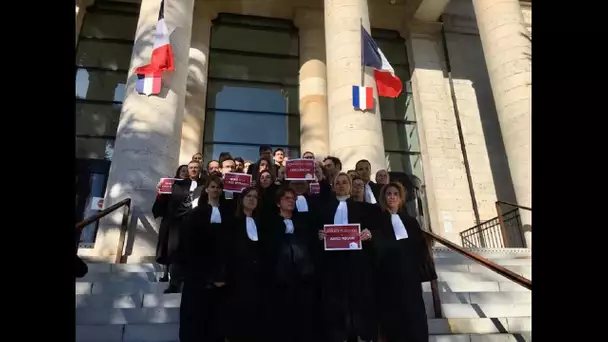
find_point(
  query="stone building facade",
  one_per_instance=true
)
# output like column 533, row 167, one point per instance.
column 280, row 72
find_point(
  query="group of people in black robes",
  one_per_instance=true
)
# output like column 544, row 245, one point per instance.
column 251, row 266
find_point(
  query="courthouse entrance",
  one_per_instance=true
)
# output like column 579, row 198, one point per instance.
column 91, row 179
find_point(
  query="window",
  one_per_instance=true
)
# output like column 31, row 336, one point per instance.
column 103, row 55
column 252, row 92
column 401, row 143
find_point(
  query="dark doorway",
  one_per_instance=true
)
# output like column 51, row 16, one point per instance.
column 91, row 179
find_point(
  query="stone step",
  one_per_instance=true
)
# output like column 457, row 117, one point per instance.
column 519, row 337
column 445, row 272
column 138, row 288
column 172, row 300
column 440, row 261
column 84, row 336
column 158, row 315
column 442, row 327
column 142, row 286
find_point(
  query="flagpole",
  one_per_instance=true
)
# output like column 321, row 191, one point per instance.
column 362, row 53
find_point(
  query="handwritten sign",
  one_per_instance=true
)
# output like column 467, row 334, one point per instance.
column 166, row 185
column 236, row 182
column 342, row 237
column 300, row 169
column 314, row 188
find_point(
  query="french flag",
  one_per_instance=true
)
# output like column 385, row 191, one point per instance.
column 387, row 83
column 149, row 77
column 363, row 97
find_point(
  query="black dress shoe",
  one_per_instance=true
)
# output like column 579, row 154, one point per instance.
column 172, row 289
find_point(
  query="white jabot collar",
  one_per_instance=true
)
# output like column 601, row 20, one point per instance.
column 216, row 217
column 369, row 194
column 341, row 215
column 398, row 227
column 252, row 229
column 288, row 226
column 193, row 185
column 302, row 204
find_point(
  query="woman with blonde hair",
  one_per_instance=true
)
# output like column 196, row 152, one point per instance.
column 347, row 277
column 404, row 262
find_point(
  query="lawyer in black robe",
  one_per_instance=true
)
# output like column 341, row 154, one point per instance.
column 267, row 190
column 174, row 208
column 347, row 277
column 202, row 256
column 308, row 209
column 165, row 236
column 404, row 262
column 292, row 242
column 244, row 271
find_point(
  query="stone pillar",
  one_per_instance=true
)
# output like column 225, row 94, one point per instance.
column 447, row 188
column 508, row 57
column 353, row 135
column 196, row 93
column 314, row 133
column 149, row 132
column 81, row 9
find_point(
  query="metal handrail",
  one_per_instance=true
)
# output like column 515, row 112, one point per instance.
column 501, row 222
column 123, row 225
column 516, row 278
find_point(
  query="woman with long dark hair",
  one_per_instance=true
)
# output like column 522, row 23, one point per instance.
column 292, row 242
column 244, row 271
column 265, row 184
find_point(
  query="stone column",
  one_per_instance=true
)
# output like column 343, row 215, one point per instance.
column 447, row 188
column 149, row 132
column 196, row 92
column 353, row 135
column 314, row 133
column 508, row 57
column 81, row 9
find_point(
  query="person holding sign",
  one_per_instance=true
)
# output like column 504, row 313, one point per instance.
column 292, row 243
column 202, row 256
column 173, row 205
column 347, row 275
column 244, row 271
column 404, row 262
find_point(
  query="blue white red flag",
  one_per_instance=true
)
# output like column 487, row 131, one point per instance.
column 387, row 83
column 149, row 77
column 363, row 97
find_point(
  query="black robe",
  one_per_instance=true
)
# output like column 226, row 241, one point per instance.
column 172, row 209
column 402, row 266
column 348, row 303
column 292, row 286
column 202, row 256
column 325, row 191
column 245, row 282
column 375, row 189
column 314, row 218
column 267, row 206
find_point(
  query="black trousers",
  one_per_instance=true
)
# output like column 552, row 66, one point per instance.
column 202, row 318
column 176, row 275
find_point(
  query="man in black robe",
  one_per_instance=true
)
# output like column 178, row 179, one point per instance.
column 364, row 170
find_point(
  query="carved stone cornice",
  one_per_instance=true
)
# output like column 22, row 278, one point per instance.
column 460, row 24
column 420, row 29
column 308, row 18
column 205, row 10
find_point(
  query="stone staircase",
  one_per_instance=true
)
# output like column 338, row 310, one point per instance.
column 125, row 303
